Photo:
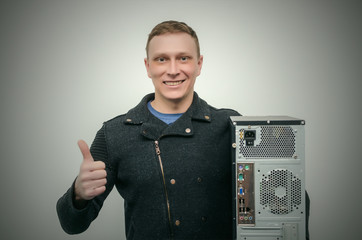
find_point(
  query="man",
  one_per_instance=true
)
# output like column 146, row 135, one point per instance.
column 169, row 157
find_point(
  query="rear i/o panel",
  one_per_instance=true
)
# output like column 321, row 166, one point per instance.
column 245, row 193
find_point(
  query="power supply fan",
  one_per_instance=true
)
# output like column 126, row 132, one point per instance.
column 280, row 191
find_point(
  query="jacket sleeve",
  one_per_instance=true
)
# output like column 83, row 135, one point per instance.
column 73, row 220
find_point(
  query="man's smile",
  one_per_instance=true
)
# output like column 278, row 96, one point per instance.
column 173, row 83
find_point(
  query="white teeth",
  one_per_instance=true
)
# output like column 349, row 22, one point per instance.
column 173, row 83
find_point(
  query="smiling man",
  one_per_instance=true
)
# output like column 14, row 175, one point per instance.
column 173, row 63
column 168, row 157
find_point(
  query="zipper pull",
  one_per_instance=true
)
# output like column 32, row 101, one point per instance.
column 158, row 152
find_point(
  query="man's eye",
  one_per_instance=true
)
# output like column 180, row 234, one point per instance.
column 161, row 59
column 183, row 59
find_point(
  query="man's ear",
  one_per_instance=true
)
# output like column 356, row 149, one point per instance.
column 147, row 65
column 199, row 63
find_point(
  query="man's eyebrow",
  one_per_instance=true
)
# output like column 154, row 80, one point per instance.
column 171, row 54
column 157, row 56
column 184, row 53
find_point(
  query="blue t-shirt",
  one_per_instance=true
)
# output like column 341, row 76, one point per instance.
column 168, row 118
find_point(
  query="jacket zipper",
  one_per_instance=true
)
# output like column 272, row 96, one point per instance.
column 158, row 152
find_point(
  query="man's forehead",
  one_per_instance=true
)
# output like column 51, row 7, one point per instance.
column 172, row 43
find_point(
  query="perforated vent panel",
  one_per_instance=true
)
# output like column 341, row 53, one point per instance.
column 275, row 142
column 280, row 191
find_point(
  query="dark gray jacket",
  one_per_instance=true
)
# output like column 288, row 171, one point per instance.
column 175, row 179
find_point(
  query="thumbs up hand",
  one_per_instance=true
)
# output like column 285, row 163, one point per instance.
column 91, row 180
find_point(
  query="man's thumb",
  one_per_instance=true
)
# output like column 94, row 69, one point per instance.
column 83, row 146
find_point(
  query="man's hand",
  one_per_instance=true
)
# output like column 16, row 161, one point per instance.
column 91, row 180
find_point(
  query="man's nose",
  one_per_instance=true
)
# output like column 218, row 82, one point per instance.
column 173, row 68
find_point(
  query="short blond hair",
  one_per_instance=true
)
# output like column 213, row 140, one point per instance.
column 173, row 27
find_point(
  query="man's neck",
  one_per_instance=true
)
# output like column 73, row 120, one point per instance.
column 171, row 106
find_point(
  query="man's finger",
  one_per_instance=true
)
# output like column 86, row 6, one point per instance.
column 83, row 146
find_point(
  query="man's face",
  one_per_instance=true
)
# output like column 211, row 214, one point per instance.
column 173, row 66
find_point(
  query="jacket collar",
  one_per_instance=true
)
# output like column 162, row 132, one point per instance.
column 154, row 128
column 199, row 110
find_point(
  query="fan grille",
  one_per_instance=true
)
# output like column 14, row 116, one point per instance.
column 275, row 142
column 280, row 191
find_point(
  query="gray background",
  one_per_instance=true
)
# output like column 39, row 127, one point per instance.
column 67, row 66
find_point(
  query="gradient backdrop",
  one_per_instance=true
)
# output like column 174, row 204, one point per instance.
column 67, row 66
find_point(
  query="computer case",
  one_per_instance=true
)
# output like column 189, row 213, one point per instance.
column 268, row 164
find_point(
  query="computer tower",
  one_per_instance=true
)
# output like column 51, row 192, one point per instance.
column 268, row 178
